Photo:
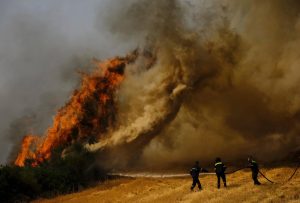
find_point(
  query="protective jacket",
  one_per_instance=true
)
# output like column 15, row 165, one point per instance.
column 220, row 167
column 195, row 171
column 254, row 166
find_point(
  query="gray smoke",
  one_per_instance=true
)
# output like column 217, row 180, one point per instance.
column 235, row 63
column 42, row 45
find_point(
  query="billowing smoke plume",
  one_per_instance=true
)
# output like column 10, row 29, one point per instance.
column 225, row 82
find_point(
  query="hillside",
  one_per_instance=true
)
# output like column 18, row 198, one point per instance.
column 240, row 189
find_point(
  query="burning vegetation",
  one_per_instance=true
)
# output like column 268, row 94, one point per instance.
column 88, row 115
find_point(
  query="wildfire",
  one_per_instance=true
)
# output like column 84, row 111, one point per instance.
column 25, row 150
column 86, row 117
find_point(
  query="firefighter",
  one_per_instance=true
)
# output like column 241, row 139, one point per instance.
column 195, row 171
column 220, row 171
column 254, row 168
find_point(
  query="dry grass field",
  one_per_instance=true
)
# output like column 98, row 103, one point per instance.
column 166, row 190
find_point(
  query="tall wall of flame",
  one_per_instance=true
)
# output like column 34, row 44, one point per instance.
column 86, row 117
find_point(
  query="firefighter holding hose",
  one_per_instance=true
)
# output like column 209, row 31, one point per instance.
column 254, row 168
column 220, row 171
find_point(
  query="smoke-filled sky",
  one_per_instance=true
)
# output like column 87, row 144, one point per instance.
column 42, row 44
column 225, row 82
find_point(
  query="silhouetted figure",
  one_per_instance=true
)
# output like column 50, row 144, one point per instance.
column 220, row 172
column 195, row 171
column 254, row 168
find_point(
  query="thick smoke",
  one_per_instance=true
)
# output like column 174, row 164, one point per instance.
column 150, row 99
column 252, row 105
column 42, row 45
column 225, row 82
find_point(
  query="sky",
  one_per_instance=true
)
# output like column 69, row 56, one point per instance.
column 42, row 45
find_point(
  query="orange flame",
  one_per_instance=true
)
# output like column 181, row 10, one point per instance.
column 89, row 113
column 25, row 152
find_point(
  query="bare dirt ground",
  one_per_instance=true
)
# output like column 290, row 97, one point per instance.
column 240, row 189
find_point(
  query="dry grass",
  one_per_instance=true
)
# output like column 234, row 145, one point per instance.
column 240, row 189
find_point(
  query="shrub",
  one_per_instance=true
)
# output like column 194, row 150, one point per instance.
column 56, row 176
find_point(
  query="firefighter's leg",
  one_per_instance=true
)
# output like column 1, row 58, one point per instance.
column 256, row 182
column 219, row 180
column 254, row 177
column 194, row 183
column 224, row 179
column 199, row 184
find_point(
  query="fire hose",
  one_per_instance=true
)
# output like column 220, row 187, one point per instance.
column 266, row 177
column 185, row 175
column 258, row 171
column 235, row 170
column 260, row 174
column 293, row 173
column 290, row 178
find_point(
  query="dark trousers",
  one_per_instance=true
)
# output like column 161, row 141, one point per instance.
column 254, row 177
column 219, row 176
column 196, row 181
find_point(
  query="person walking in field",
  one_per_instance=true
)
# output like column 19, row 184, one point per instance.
column 220, row 171
column 195, row 171
column 254, row 168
